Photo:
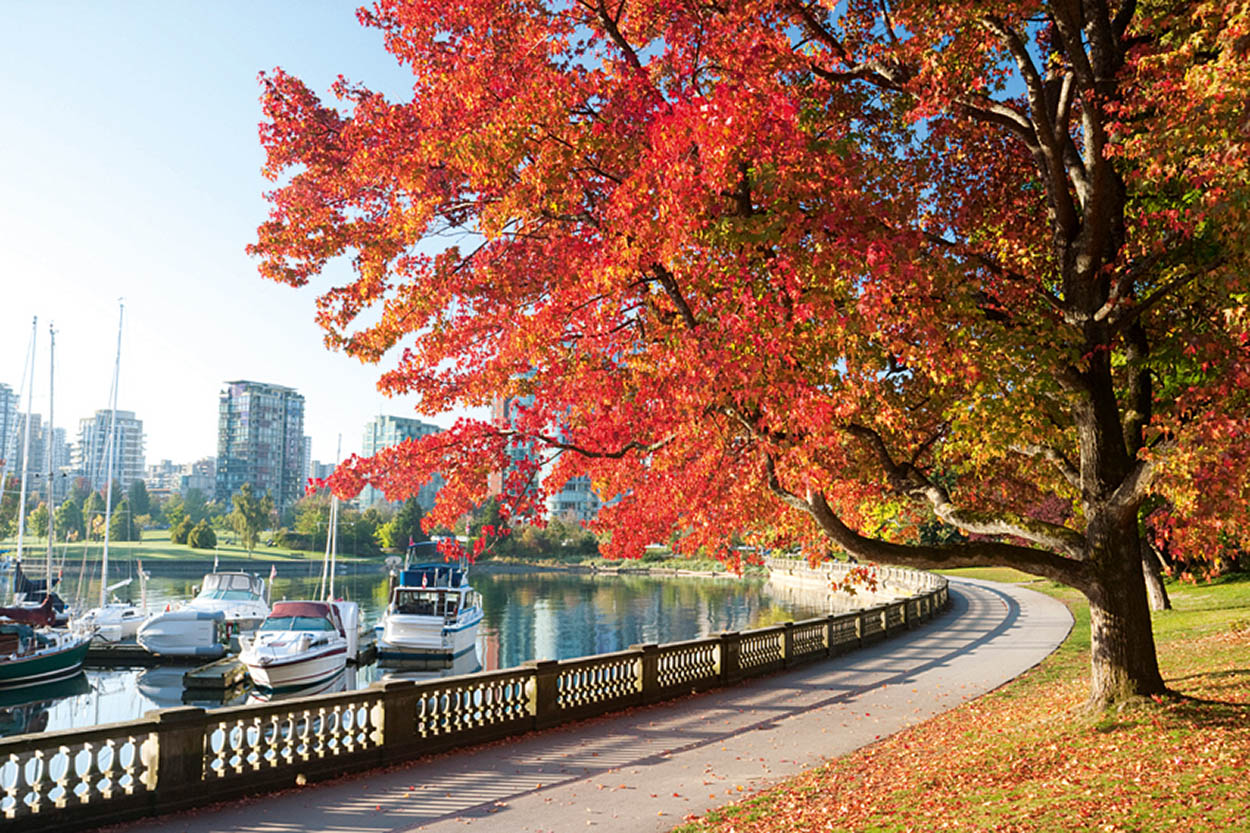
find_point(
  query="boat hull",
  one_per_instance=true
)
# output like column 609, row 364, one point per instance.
column 300, row 671
column 45, row 666
column 415, row 638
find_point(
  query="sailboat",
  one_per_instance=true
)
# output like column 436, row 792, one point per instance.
column 32, row 652
column 112, row 621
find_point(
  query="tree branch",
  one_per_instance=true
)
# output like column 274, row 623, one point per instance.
column 669, row 283
column 1054, row 455
column 964, row 554
column 908, row 480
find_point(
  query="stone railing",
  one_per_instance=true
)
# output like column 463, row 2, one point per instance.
column 178, row 758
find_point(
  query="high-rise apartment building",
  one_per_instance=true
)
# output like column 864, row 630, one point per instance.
column 90, row 454
column 34, row 449
column 8, row 426
column 260, row 440
column 386, row 432
column 306, row 460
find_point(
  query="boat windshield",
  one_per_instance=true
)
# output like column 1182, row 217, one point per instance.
column 233, row 588
column 229, row 595
column 296, row 623
column 426, row 602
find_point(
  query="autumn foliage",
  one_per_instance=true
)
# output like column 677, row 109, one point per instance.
column 934, row 283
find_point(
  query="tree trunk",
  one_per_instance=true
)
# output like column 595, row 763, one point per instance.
column 1122, row 646
column 1155, row 591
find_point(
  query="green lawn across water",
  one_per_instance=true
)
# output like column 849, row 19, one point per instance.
column 156, row 546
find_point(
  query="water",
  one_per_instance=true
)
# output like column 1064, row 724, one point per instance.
column 526, row 616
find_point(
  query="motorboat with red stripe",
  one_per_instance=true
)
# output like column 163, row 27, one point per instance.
column 301, row 643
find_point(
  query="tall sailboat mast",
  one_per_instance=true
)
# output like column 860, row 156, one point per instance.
column 326, row 591
column 111, row 452
column 50, row 497
column 334, row 523
column 30, row 395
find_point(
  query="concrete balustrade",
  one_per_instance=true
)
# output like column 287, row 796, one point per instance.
column 173, row 759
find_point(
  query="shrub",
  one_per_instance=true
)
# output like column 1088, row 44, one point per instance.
column 178, row 534
column 202, row 536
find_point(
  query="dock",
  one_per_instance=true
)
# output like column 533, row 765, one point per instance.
column 212, row 679
column 129, row 655
column 217, row 677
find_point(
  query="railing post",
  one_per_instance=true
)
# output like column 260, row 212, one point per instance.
column 544, row 692
column 727, row 656
column 859, row 627
column 399, row 717
column 648, row 672
column 787, row 645
column 829, row 634
column 179, row 764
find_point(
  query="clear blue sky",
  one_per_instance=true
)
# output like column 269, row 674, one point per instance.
column 129, row 164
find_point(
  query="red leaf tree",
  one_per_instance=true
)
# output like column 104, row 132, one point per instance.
column 939, row 284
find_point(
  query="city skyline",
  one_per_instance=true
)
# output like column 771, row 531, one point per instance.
column 134, row 172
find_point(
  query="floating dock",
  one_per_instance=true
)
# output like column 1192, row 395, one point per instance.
column 217, row 677
column 129, row 655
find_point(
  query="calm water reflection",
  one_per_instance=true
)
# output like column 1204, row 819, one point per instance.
column 527, row 616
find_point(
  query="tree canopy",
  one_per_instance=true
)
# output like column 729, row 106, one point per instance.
column 943, row 284
column 404, row 527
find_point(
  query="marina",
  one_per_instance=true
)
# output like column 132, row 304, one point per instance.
column 532, row 615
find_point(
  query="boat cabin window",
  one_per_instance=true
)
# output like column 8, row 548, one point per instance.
column 296, row 623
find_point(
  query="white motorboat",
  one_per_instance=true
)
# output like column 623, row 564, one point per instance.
column 118, row 621
column 229, row 603
column 301, row 644
column 433, row 615
column 115, row 622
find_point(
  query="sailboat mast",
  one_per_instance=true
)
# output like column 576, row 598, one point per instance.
column 334, row 522
column 111, row 451
column 30, row 395
column 50, row 498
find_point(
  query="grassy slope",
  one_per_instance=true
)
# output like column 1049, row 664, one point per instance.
column 1027, row 758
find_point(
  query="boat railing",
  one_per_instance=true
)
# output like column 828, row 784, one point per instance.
column 177, row 758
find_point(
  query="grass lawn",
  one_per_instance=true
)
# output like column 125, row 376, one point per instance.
column 156, row 546
column 1026, row 757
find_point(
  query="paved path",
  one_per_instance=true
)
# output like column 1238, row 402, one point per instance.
column 644, row 770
